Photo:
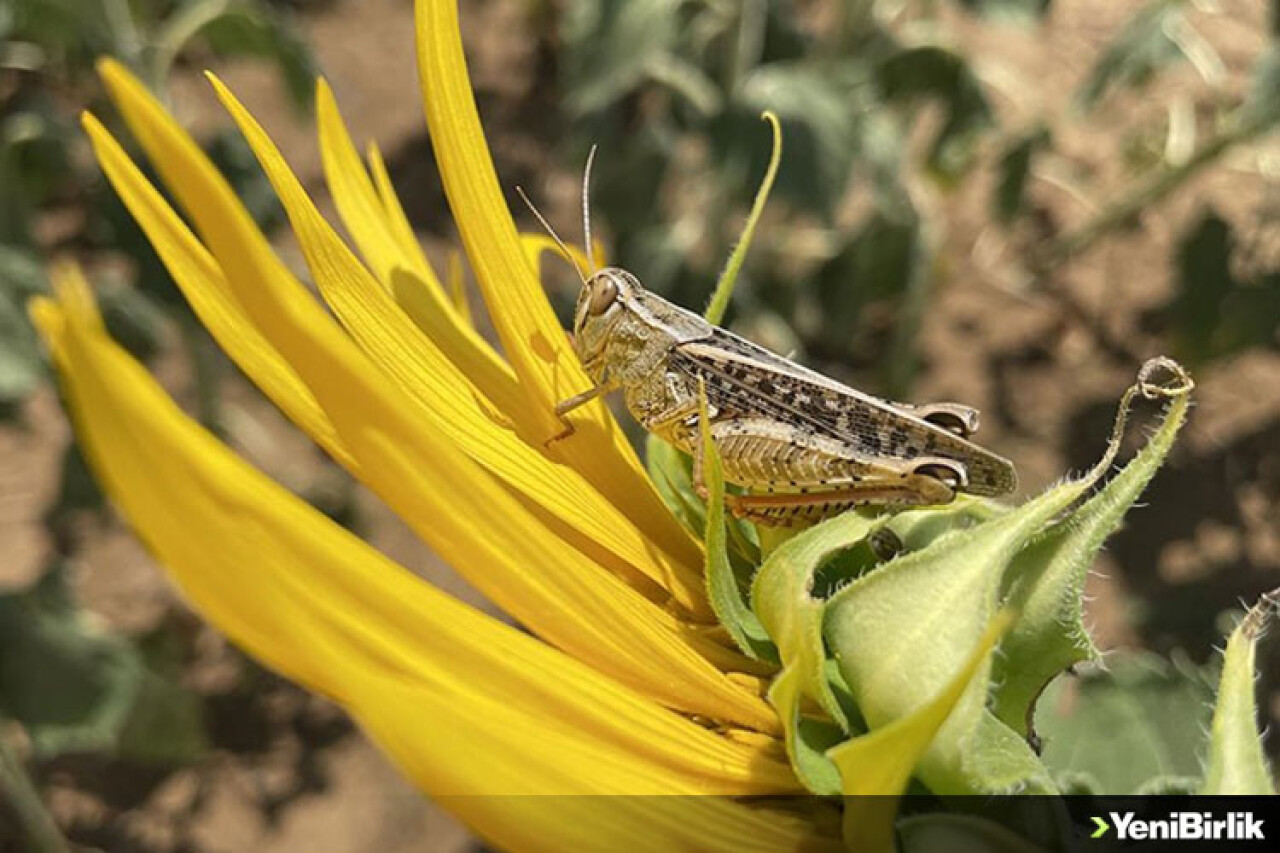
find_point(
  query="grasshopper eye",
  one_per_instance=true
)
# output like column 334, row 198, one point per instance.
column 603, row 295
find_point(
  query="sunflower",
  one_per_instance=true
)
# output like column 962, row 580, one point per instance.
column 645, row 669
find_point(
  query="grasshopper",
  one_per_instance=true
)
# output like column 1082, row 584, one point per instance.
column 803, row 446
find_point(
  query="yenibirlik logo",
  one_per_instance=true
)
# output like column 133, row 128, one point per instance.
column 1182, row 826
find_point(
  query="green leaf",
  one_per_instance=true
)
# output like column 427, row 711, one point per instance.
column 820, row 125
column 77, row 688
column 723, row 590
column 1139, row 720
column 1203, row 284
column 21, row 364
column 1014, row 168
column 1236, row 763
column 884, row 264
column 1019, row 10
column 78, row 489
column 236, row 162
column 133, row 319
column 935, row 73
column 1215, row 311
column 1142, row 47
column 1049, row 577
column 36, row 162
column 611, row 46
column 1262, row 105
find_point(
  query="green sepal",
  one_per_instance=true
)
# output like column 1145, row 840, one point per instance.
column 807, row 739
column 1048, row 580
column 782, row 598
column 671, row 472
column 1236, row 762
column 1172, row 785
column 876, row 767
column 900, row 633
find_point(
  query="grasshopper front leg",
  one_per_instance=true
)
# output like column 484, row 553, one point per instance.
column 564, row 407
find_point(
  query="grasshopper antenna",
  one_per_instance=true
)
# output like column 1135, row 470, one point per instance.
column 586, row 210
column 554, row 236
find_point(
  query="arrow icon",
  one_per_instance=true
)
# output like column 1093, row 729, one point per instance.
column 1102, row 828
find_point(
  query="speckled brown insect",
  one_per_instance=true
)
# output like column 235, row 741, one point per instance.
column 805, row 446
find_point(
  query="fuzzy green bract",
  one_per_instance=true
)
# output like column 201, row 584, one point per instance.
column 723, row 589
column 901, row 632
column 929, row 664
column 1236, row 764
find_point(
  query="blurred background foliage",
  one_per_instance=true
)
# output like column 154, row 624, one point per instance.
column 886, row 118
column 672, row 91
column 76, row 687
column 55, row 199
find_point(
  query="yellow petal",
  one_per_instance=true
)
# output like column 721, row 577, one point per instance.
column 396, row 219
column 406, row 273
column 424, row 372
column 473, row 361
column 458, row 287
column 535, row 245
column 315, row 602
column 205, row 287
column 531, row 336
column 530, row 332
column 362, row 211
column 593, row 810
column 497, row 541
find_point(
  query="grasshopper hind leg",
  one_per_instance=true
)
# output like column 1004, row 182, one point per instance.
column 782, row 509
column 798, row 477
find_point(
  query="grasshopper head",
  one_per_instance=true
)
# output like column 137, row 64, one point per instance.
column 601, row 303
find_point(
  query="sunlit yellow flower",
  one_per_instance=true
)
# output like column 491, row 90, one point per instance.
column 626, row 687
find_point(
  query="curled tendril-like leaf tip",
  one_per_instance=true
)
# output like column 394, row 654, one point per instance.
column 1181, row 384
column 728, row 278
column 1178, row 385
